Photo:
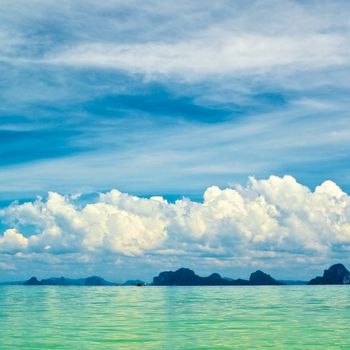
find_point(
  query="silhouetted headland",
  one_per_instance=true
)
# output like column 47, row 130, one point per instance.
column 187, row 277
column 259, row 278
column 336, row 274
column 62, row 281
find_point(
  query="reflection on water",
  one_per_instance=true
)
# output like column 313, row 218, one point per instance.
column 292, row 317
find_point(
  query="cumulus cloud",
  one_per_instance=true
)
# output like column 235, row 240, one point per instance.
column 275, row 216
column 12, row 241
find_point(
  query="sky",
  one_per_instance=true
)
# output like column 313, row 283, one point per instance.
column 143, row 136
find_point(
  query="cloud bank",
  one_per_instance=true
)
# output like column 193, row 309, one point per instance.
column 171, row 97
column 272, row 218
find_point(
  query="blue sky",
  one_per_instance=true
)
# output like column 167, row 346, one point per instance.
column 168, row 99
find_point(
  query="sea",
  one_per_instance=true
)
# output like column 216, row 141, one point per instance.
column 174, row 318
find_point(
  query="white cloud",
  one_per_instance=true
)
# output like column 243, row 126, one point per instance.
column 187, row 39
column 63, row 227
column 277, row 215
column 13, row 241
column 211, row 54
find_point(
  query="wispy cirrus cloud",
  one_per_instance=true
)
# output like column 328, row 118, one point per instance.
column 185, row 157
column 199, row 39
column 220, row 53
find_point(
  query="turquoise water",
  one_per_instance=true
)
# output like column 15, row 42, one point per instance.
column 300, row 317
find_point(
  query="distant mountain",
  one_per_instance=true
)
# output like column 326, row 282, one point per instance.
column 259, row 278
column 336, row 274
column 62, row 281
column 187, row 277
column 33, row 281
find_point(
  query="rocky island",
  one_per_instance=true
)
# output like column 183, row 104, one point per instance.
column 62, row 281
column 187, row 277
column 336, row 274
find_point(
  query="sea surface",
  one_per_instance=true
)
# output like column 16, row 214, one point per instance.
column 288, row 317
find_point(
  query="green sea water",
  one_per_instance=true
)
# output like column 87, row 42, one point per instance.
column 289, row 317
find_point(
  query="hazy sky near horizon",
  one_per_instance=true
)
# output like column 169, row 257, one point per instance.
column 105, row 104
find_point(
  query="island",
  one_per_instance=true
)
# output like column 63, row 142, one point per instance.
column 187, row 277
column 62, row 281
column 336, row 274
